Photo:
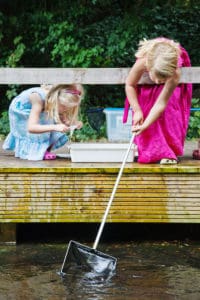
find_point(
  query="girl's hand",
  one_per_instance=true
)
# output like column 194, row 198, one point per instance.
column 75, row 125
column 138, row 118
column 137, row 129
column 79, row 124
column 61, row 127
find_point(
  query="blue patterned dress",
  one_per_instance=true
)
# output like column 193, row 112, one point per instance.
column 31, row 146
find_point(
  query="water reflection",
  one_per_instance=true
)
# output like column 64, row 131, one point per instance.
column 85, row 285
column 144, row 271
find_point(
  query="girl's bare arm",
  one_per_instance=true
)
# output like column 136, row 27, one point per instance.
column 33, row 122
column 131, row 83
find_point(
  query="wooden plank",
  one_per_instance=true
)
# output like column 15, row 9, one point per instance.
column 89, row 76
column 117, row 210
column 70, row 177
column 13, row 166
column 135, row 195
column 142, row 218
column 120, row 203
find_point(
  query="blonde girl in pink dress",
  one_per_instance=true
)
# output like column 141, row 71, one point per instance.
column 160, row 111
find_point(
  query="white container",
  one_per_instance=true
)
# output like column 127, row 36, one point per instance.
column 100, row 152
column 117, row 131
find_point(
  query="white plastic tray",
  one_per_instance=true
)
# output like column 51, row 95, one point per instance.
column 100, row 152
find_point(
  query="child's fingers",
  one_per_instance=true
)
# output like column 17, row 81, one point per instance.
column 136, row 129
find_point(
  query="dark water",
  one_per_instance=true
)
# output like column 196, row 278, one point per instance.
column 145, row 270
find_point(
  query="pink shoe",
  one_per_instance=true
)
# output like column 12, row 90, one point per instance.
column 49, row 156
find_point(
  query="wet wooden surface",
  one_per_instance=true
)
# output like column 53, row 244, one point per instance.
column 8, row 163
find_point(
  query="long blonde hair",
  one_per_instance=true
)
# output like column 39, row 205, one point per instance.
column 161, row 56
column 69, row 95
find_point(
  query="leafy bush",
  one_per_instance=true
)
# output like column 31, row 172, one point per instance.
column 92, row 33
column 194, row 124
column 4, row 124
column 87, row 133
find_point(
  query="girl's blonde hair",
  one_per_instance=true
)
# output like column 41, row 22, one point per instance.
column 69, row 95
column 161, row 56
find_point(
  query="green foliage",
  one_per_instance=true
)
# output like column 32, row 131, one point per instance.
column 90, row 132
column 67, row 50
column 12, row 91
column 12, row 61
column 95, row 33
column 4, row 123
column 194, row 124
column 16, row 54
column 92, row 33
column 87, row 133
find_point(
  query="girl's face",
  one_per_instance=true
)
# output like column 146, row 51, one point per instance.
column 63, row 111
column 157, row 80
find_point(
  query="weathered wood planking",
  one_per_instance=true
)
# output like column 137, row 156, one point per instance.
column 89, row 76
column 82, row 197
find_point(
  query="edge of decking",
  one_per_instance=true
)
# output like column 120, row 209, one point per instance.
column 65, row 166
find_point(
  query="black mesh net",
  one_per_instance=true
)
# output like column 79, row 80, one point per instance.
column 96, row 117
column 89, row 259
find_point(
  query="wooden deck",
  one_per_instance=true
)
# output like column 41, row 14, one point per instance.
column 62, row 191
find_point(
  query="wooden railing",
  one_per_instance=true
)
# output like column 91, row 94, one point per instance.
column 90, row 76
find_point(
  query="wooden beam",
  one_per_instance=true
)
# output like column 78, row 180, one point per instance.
column 89, row 76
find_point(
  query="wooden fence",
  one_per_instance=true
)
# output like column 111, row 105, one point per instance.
column 90, row 76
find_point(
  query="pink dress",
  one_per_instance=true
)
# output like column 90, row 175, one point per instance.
column 165, row 137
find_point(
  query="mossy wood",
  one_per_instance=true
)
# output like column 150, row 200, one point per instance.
column 62, row 191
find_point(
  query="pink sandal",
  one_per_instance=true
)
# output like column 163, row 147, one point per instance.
column 49, row 156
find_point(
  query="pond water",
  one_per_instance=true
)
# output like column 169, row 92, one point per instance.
column 145, row 270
